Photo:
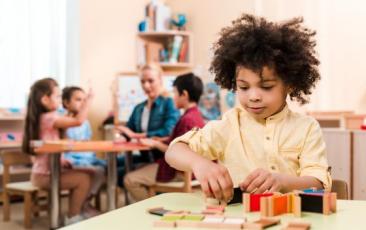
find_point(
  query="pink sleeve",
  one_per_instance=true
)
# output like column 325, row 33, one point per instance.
column 47, row 129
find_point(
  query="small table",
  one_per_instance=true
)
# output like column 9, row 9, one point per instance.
column 55, row 148
column 350, row 214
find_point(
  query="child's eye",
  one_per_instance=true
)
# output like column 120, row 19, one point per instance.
column 243, row 88
column 267, row 87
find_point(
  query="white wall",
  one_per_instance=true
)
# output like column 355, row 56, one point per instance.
column 107, row 46
column 340, row 35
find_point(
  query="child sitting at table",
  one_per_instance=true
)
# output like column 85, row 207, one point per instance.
column 261, row 145
column 72, row 99
column 187, row 92
column 43, row 123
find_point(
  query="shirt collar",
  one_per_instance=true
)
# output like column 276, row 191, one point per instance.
column 157, row 101
column 276, row 117
column 192, row 109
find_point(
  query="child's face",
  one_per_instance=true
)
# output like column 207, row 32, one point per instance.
column 179, row 100
column 53, row 101
column 261, row 97
column 76, row 101
column 151, row 83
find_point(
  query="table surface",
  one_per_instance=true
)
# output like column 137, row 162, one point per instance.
column 350, row 214
column 83, row 146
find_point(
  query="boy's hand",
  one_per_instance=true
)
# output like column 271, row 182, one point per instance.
column 148, row 142
column 261, row 181
column 130, row 133
column 214, row 179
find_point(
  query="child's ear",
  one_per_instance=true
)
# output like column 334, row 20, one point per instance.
column 185, row 94
column 45, row 100
column 66, row 103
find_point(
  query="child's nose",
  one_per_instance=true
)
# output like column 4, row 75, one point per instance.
column 254, row 95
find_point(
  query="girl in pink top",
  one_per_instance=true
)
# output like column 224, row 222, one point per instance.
column 43, row 123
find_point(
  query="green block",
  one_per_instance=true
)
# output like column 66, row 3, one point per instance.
column 171, row 218
column 193, row 217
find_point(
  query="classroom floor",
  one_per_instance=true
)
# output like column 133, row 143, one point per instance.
column 41, row 222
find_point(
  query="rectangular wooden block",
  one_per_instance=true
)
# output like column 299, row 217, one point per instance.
column 211, row 222
column 297, row 226
column 233, row 223
column 190, row 221
column 268, row 222
column 280, row 205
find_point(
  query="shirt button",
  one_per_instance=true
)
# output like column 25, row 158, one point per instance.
column 268, row 138
column 273, row 167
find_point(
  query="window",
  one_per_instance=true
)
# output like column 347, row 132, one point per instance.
column 37, row 39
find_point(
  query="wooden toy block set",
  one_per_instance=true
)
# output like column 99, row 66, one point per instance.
column 269, row 205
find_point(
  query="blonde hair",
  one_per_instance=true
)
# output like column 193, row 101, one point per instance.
column 156, row 67
column 152, row 66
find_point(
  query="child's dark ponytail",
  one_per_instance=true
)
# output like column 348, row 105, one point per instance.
column 34, row 110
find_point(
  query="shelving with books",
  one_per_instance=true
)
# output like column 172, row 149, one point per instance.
column 171, row 49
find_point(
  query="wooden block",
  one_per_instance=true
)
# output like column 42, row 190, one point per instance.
column 252, row 226
column 296, row 225
column 233, row 223
column 255, row 201
column 312, row 202
column 160, row 211
column 264, row 206
column 171, row 218
column 280, row 204
column 216, row 207
column 167, row 221
column 193, row 217
column 333, row 202
column 212, row 212
column 166, row 224
column 190, row 221
column 211, row 222
column 246, row 202
column 326, row 204
column 296, row 205
column 268, row 222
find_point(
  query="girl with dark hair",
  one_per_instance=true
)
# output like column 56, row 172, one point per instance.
column 43, row 123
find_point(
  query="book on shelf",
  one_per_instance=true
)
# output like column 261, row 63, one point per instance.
column 183, row 51
column 176, row 45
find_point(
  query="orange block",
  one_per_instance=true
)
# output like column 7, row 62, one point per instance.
column 280, row 204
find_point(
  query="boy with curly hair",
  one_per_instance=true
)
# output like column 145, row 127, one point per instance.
column 260, row 146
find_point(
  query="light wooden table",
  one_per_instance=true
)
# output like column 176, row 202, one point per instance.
column 55, row 149
column 350, row 214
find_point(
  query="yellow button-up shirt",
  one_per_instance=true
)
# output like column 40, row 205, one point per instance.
column 286, row 142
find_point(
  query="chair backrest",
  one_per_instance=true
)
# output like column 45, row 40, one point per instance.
column 341, row 188
column 12, row 158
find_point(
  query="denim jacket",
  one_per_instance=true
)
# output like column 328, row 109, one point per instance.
column 162, row 119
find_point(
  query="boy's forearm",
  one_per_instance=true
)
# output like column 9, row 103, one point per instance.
column 181, row 157
column 161, row 146
column 291, row 183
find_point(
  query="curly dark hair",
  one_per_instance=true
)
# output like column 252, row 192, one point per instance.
column 253, row 43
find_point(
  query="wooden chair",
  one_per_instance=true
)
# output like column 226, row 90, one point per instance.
column 25, row 189
column 341, row 188
column 177, row 186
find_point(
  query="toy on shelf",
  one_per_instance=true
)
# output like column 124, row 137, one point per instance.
column 180, row 22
